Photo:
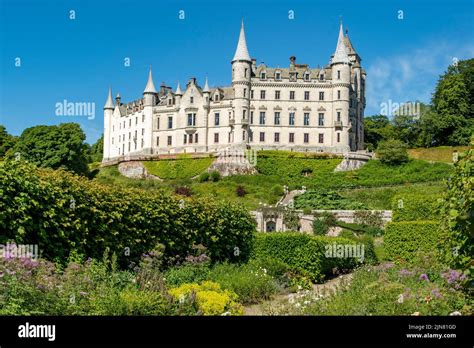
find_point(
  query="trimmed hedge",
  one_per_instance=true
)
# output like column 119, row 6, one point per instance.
column 180, row 168
column 62, row 212
column 415, row 207
column 306, row 254
column 406, row 238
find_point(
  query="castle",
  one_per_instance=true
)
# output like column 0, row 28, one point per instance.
column 295, row 108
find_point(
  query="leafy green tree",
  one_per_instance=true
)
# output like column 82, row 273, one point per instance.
column 453, row 122
column 54, row 147
column 96, row 151
column 7, row 141
column 392, row 152
column 376, row 128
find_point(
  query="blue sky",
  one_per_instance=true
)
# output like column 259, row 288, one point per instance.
column 77, row 59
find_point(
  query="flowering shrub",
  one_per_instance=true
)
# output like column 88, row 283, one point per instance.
column 210, row 298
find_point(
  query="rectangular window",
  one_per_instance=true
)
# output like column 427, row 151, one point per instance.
column 245, row 91
column 321, row 138
column 216, row 138
column 277, row 95
column 129, row 122
column 190, row 138
column 170, row 122
column 292, row 119
column 262, row 94
column 136, row 120
column 169, row 140
column 185, row 140
column 321, row 95
column 216, row 119
column 143, row 131
column 339, row 74
column 292, row 138
column 338, row 94
column 338, row 116
column 251, row 117
column 292, row 95
column 338, row 137
column 277, row 118
column 112, row 141
column 278, row 76
column 306, row 119
column 243, row 135
column 306, row 138
column 196, row 138
column 157, row 123
column 262, row 137
column 251, row 93
column 306, row 95
column 191, row 119
column 262, row 117
column 191, row 100
column 244, row 114
column 277, row 137
column 157, row 141
column 321, row 120
column 143, row 118
column 250, row 136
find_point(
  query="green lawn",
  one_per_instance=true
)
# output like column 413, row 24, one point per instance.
column 181, row 168
column 437, row 154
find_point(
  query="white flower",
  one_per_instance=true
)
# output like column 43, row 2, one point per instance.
column 400, row 298
column 299, row 287
column 307, row 302
column 264, row 271
column 297, row 305
column 225, row 314
column 455, row 313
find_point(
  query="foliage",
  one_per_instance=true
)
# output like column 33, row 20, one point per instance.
column 251, row 282
column 291, row 219
column 392, row 152
column 62, row 212
column 7, row 141
column 437, row 154
column 325, row 200
column 210, row 298
column 388, row 289
column 410, row 207
column 305, row 254
column 376, row 129
column 406, row 238
column 54, row 147
column 322, row 223
column 203, row 177
column 457, row 212
column 180, row 168
column 96, row 151
column 368, row 218
column 360, row 229
column 215, row 176
column 240, row 191
column 183, row 191
column 187, row 273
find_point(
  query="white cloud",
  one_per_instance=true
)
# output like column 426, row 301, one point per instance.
column 410, row 76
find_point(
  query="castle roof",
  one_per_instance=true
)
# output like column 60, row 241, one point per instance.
column 299, row 69
column 242, row 53
column 340, row 56
column 206, row 87
column 109, row 104
column 150, row 86
column 178, row 90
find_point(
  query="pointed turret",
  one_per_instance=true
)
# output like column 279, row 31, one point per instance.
column 178, row 90
column 109, row 103
column 340, row 56
column 206, row 87
column 242, row 53
column 150, row 86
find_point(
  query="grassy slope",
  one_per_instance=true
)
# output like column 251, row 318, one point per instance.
column 437, row 154
column 183, row 168
column 283, row 168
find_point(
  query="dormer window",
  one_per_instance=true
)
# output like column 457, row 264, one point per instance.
column 263, row 75
column 321, row 76
column 278, row 75
column 306, row 76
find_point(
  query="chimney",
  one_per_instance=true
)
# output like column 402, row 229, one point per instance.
column 292, row 61
column 254, row 64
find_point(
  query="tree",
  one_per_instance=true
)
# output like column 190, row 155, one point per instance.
column 453, row 122
column 376, row 128
column 7, row 141
column 392, row 152
column 54, row 147
column 96, row 151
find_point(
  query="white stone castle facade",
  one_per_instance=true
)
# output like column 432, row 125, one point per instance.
column 295, row 108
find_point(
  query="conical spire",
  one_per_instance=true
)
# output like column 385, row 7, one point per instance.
column 109, row 103
column 206, row 86
column 242, row 53
column 340, row 56
column 178, row 90
column 150, row 86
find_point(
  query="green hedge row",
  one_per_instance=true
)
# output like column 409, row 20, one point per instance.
column 406, row 238
column 408, row 207
column 307, row 254
column 62, row 212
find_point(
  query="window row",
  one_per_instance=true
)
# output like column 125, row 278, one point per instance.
column 291, row 137
column 291, row 118
column 123, row 124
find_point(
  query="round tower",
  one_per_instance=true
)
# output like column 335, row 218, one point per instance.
column 108, row 113
column 241, row 83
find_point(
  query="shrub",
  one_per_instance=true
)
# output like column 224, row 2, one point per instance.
column 250, row 282
column 325, row 200
column 392, row 152
column 61, row 212
column 306, row 254
column 204, row 177
column 322, row 223
column 215, row 176
column 277, row 190
column 368, row 218
column 210, row 298
column 404, row 239
column 409, row 207
column 183, row 191
column 177, row 276
column 240, row 191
